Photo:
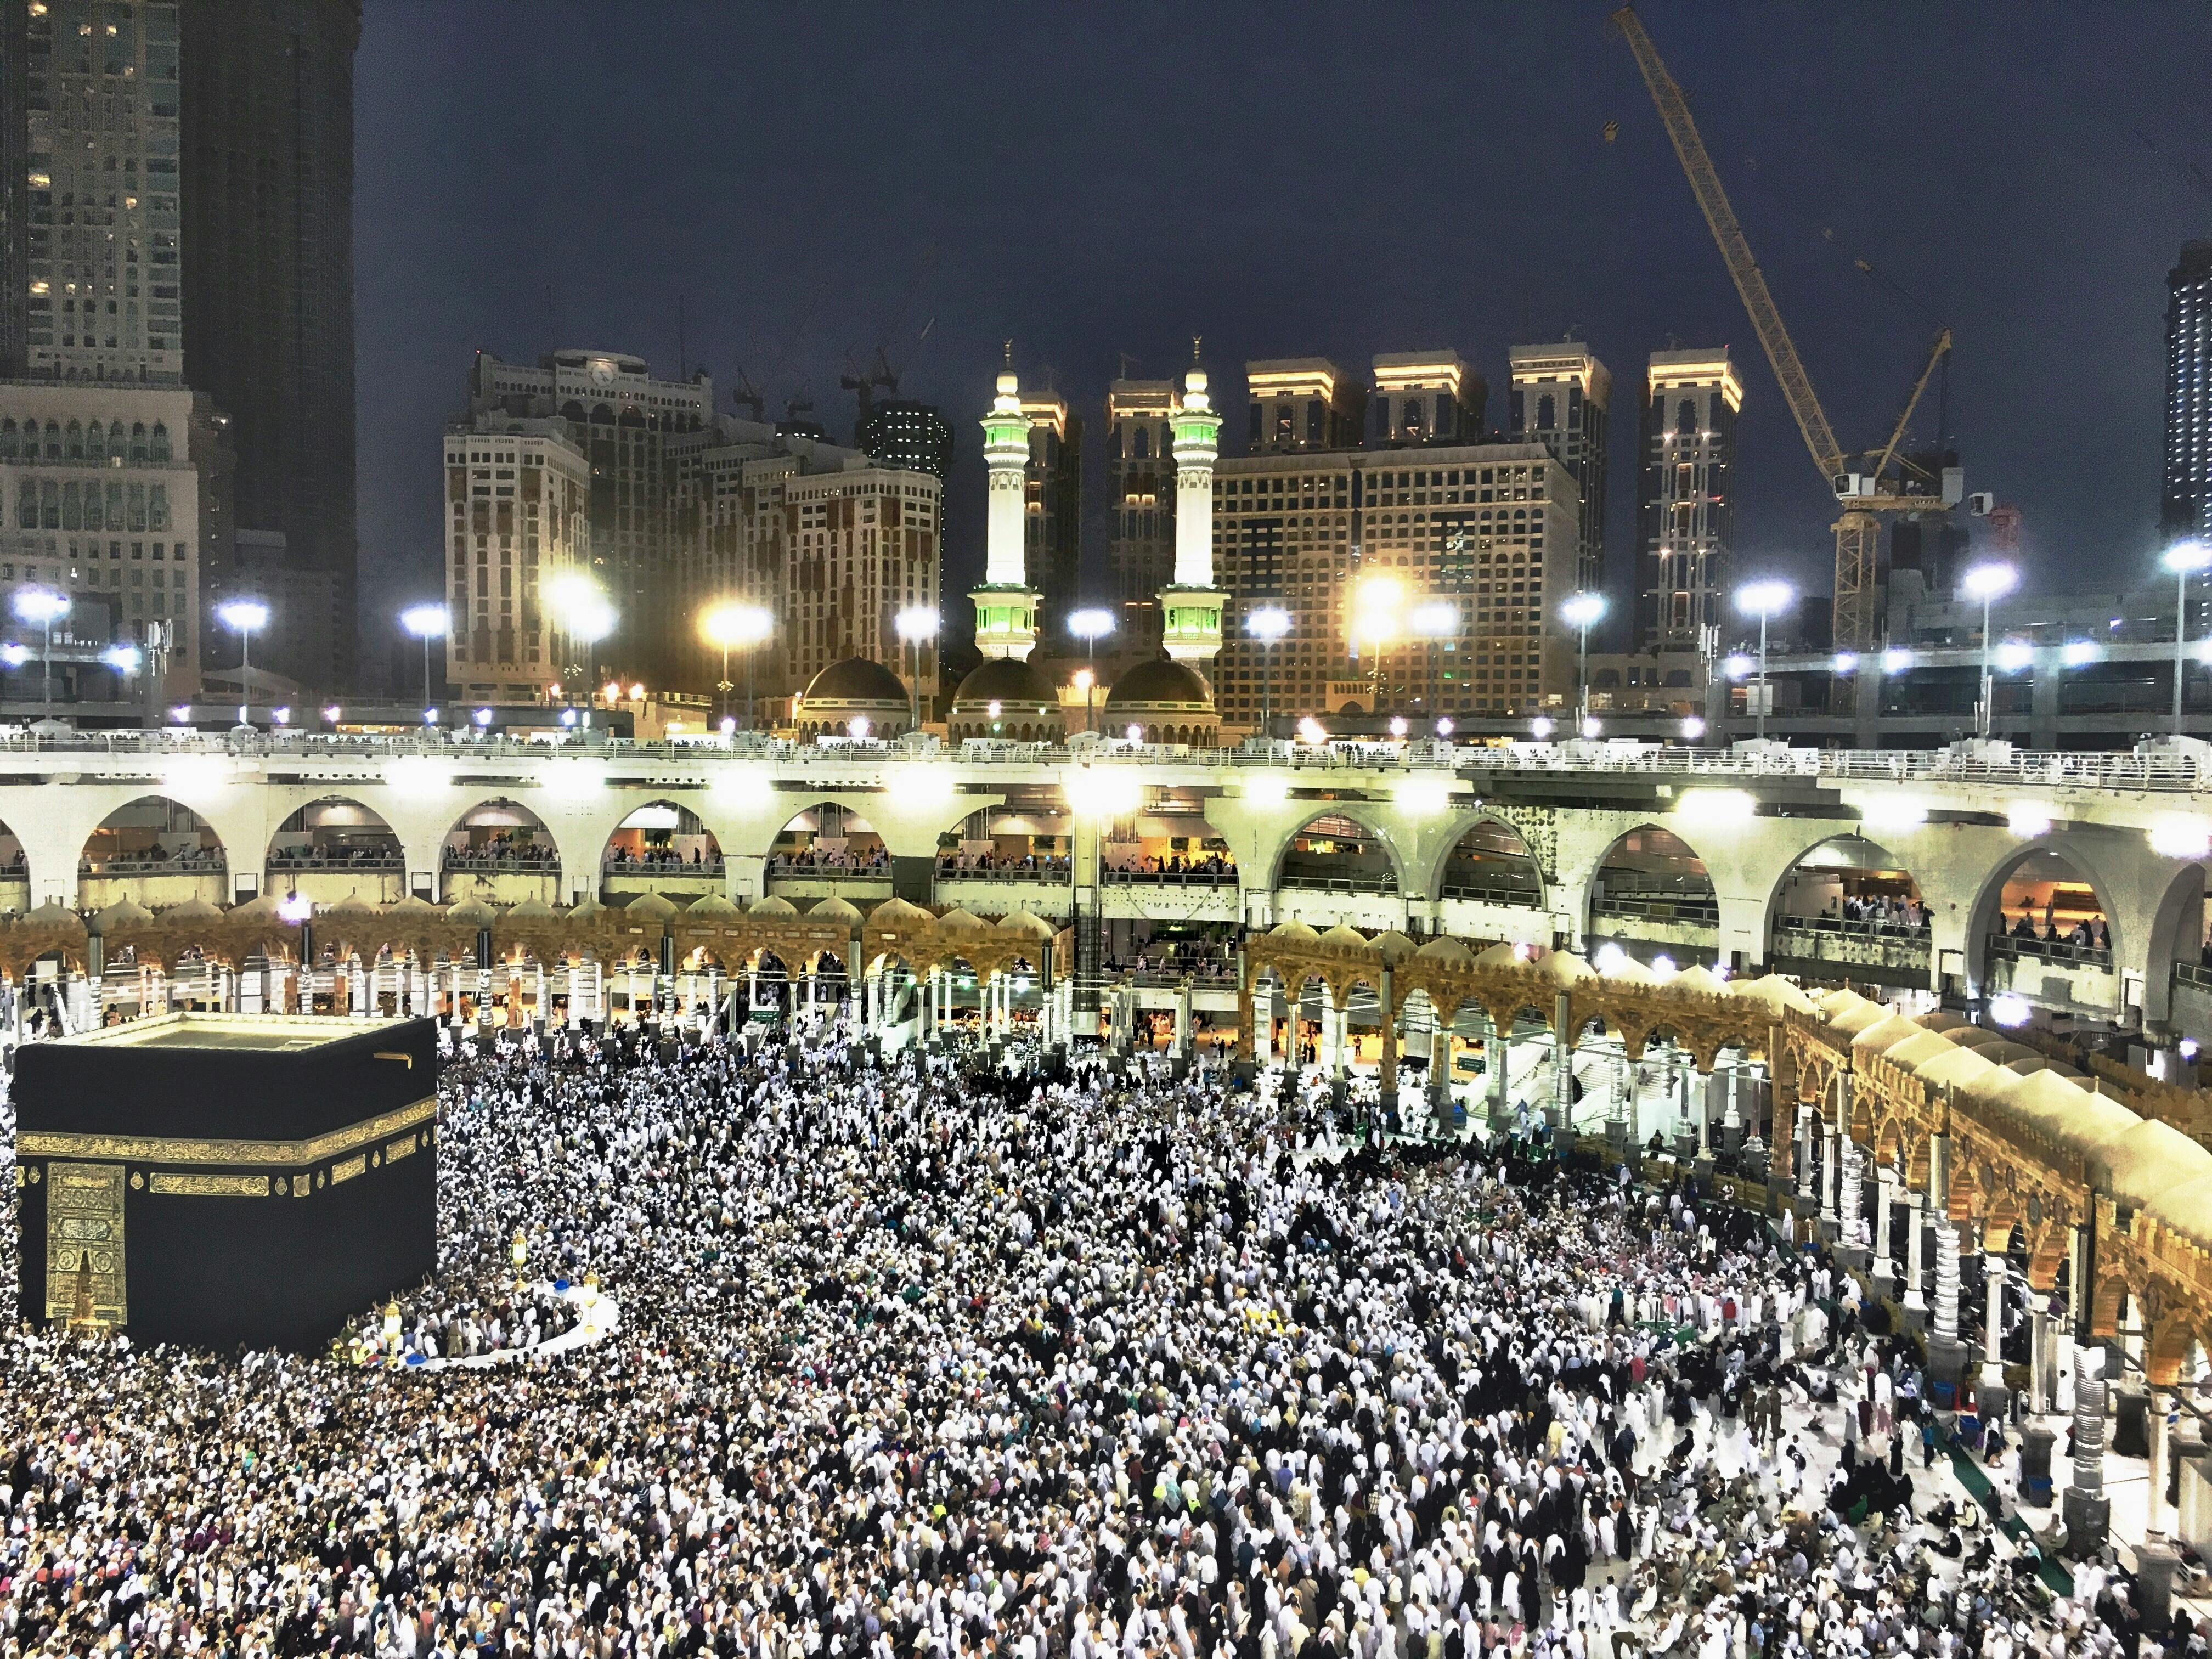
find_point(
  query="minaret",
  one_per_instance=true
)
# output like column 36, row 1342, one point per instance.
column 1005, row 606
column 1191, row 605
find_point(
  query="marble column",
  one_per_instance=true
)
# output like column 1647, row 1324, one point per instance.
column 1991, row 1389
column 1884, row 1265
column 1915, row 1259
column 1832, row 1173
column 1500, row 1063
column 2089, row 1512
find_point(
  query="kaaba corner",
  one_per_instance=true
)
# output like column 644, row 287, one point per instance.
column 224, row 1179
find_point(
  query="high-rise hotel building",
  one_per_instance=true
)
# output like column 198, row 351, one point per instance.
column 2186, row 502
column 1560, row 397
column 679, row 509
column 1051, row 512
column 115, row 479
column 1418, row 575
column 1688, row 498
column 1140, row 521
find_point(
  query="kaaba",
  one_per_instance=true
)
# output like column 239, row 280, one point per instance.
column 221, row 1179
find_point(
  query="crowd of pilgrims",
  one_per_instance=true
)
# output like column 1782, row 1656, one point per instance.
column 925, row 1360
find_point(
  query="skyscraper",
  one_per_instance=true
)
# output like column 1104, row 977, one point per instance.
column 1425, row 397
column 1295, row 403
column 266, row 276
column 1140, row 523
column 627, row 426
column 908, row 437
column 1052, row 502
column 1686, row 502
column 1559, row 399
column 2185, row 507
column 101, row 244
column 115, row 478
column 14, row 190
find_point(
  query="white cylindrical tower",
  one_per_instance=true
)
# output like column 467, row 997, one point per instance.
column 1191, row 606
column 1005, row 607
column 1006, row 453
column 1197, row 446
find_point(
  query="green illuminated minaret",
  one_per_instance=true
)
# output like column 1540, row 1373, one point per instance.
column 1005, row 606
column 1191, row 605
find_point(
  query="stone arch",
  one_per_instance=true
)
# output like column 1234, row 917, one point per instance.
column 499, row 836
column 1347, row 821
column 2172, row 1340
column 1495, row 841
column 334, row 832
column 2177, row 928
column 1661, row 845
column 662, row 834
column 1989, row 904
column 148, row 837
column 829, row 835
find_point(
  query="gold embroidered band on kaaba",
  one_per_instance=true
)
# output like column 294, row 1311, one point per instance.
column 229, row 1154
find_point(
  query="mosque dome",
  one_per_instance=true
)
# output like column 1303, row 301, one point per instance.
column 1168, row 700
column 1027, row 707
column 858, row 687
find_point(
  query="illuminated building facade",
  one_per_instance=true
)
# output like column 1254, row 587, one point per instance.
column 1688, row 498
column 1559, row 399
column 1140, row 525
column 2185, row 507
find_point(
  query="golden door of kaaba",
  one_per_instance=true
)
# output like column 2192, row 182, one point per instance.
column 84, row 1220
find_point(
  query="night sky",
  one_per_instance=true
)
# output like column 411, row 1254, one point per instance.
column 802, row 184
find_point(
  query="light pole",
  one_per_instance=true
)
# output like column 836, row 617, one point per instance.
column 1374, row 617
column 1986, row 582
column 915, row 624
column 1434, row 620
column 2184, row 559
column 1267, row 625
column 730, row 627
column 1090, row 626
column 1762, row 600
column 44, row 606
column 1579, row 612
column 244, row 615
column 425, row 622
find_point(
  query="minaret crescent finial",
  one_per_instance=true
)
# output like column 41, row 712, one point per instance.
column 1010, row 354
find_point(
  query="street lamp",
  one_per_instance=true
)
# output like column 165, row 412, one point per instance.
column 1090, row 626
column 425, row 622
column 730, row 627
column 581, row 614
column 123, row 659
column 1986, row 582
column 244, row 615
column 915, row 625
column 1267, row 624
column 1374, row 617
column 1580, row 611
column 1433, row 620
column 44, row 606
column 2184, row 559
column 1762, row 599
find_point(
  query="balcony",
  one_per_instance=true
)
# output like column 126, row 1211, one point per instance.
column 1169, row 877
column 379, row 863
column 1357, row 885
column 678, row 878
column 1476, row 892
column 796, row 878
column 2026, row 947
column 1883, row 953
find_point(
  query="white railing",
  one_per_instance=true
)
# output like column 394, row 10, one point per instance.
column 2024, row 769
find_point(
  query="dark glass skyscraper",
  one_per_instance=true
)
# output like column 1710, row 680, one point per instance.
column 267, row 206
column 2186, row 504
column 910, row 436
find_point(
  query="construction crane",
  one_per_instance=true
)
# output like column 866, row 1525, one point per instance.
column 862, row 382
column 1860, row 493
